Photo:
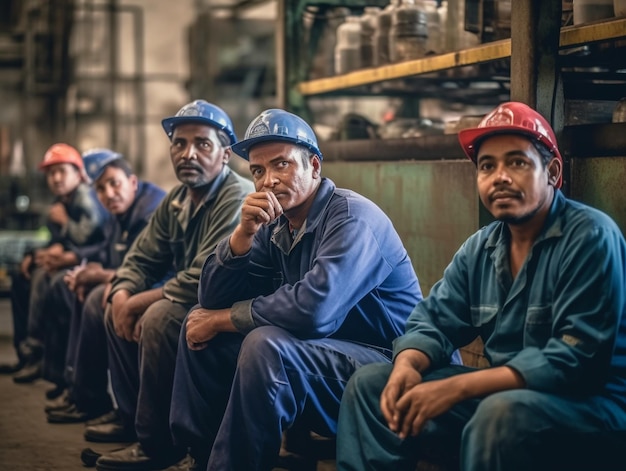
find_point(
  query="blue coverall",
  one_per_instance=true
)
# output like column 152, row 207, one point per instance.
column 309, row 311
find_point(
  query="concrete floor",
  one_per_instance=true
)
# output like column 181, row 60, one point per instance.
column 27, row 441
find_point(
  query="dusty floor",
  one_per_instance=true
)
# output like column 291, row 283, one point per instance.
column 27, row 441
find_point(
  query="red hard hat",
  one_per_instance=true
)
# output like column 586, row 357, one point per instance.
column 62, row 154
column 511, row 118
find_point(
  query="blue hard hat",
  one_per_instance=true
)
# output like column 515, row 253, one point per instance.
column 97, row 160
column 277, row 125
column 201, row 112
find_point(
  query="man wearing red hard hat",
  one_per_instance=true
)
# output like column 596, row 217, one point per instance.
column 543, row 286
column 75, row 221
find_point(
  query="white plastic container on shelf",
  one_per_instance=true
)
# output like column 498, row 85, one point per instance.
column 381, row 35
column 619, row 7
column 348, row 47
column 433, row 42
column 443, row 23
column 369, row 21
column 586, row 11
column 409, row 32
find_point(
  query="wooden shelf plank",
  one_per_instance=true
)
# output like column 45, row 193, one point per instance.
column 570, row 36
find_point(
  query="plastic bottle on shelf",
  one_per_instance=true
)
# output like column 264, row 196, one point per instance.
column 368, row 28
column 381, row 35
column 433, row 43
column 409, row 32
column 592, row 10
column 324, row 60
column 467, row 39
column 348, row 47
column 443, row 23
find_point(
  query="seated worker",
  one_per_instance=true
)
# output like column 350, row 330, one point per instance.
column 75, row 348
column 313, row 283
column 75, row 220
column 143, row 324
column 543, row 286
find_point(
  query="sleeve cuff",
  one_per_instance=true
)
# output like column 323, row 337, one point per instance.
column 241, row 316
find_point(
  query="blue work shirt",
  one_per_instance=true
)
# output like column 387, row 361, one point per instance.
column 560, row 323
column 124, row 229
column 346, row 275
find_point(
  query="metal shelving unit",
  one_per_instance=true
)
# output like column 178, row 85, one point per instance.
column 571, row 36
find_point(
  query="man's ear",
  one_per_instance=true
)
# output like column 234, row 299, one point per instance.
column 317, row 165
column 555, row 169
column 226, row 156
column 134, row 181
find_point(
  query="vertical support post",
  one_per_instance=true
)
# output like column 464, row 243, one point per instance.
column 535, row 72
column 112, row 76
column 282, row 61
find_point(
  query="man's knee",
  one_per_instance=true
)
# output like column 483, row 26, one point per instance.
column 162, row 320
column 57, row 283
column 503, row 417
column 39, row 279
column 368, row 381
column 93, row 309
column 263, row 343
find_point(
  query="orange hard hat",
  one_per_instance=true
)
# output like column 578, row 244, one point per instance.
column 62, row 154
column 511, row 118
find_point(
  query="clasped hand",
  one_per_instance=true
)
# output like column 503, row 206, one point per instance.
column 407, row 403
column 126, row 322
column 200, row 328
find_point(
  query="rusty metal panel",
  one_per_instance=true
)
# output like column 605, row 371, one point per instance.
column 599, row 182
column 433, row 205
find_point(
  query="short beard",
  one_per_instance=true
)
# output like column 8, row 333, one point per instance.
column 519, row 220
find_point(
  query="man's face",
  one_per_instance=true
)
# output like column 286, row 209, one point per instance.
column 512, row 182
column 197, row 155
column 116, row 190
column 62, row 178
column 281, row 168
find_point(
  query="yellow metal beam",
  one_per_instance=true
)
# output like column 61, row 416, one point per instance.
column 570, row 36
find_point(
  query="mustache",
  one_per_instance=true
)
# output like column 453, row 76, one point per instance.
column 494, row 195
column 188, row 166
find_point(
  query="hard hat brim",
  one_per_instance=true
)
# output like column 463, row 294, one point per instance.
column 242, row 148
column 170, row 123
column 472, row 137
column 102, row 166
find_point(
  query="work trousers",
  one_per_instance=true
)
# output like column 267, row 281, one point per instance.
column 516, row 430
column 233, row 400
column 61, row 303
column 87, row 356
column 20, row 294
column 142, row 374
column 31, row 347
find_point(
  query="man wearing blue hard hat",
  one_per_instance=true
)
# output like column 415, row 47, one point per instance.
column 76, row 355
column 143, row 323
column 313, row 283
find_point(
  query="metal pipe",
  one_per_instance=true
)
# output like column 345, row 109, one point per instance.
column 113, row 44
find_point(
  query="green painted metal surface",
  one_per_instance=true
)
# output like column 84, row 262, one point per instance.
column 600, row 182
column 433, row 205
